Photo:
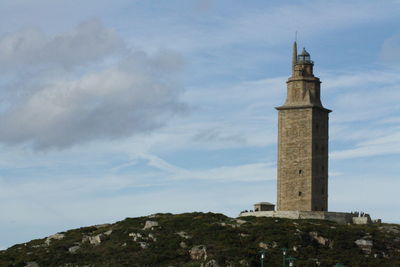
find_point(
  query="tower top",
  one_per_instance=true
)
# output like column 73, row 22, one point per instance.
column 304, row 57
column 303, row 87
column 302, row 65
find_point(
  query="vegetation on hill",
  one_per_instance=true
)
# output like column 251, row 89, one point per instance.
column 208, row 239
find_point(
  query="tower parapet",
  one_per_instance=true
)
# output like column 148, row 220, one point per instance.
column 303, row 88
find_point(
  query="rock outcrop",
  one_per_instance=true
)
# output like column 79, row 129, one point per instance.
column 198, row 252
column 320, row 239
column 150, row 225
column 365, row 245
column 57, row 236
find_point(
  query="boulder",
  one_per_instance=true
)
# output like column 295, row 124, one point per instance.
column 198, row 252
column 390, row 229
column 183, row 234
column 240, row 221
column 53, row 237
column 150, row 225
column 211, row 263
column 244, row 263
column 143, row 245
column 136, row 236
column 108, row 232
column 73, row 249
column 267, row 245
column 152, row 237
column 94, row 240
column 320, row 239
column 365, row 245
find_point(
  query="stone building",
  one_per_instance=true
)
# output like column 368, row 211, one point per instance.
column 264, row 206
column 303, row 152
column 302, row 141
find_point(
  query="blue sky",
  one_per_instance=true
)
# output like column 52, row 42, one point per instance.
column 114, row 109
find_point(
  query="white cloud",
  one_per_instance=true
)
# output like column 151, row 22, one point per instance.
column 89, row 42
column 385, row 144
column 65, row 103
column 365, row 110
column 242, row 172
column 349, row 81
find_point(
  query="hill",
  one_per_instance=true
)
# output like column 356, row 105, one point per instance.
column 208, row 239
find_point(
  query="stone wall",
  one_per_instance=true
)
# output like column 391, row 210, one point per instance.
column 319, row 174
column 339, row 217
column 294, row 159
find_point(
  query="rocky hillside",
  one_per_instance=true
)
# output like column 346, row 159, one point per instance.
column 207, row 239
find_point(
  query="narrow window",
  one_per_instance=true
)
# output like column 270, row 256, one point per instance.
column 299, row 193
column 300, row 172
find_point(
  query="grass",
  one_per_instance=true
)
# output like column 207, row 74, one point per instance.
column 227, row 241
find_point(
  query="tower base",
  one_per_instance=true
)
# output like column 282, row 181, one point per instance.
column 339, row 217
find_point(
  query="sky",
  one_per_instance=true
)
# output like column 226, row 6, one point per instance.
column 125, row 108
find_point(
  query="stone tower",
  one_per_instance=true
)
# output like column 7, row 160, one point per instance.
column 302, row 141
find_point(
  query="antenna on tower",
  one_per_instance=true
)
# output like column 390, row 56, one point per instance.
column 295, row 37
column 294, row 55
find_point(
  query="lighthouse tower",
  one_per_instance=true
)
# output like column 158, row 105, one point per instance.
column 302, row 141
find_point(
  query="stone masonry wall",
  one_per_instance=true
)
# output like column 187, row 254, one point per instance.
column 294, row 159
column 320, row 160
column 339, row 217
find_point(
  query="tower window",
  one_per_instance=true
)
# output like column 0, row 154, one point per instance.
column 300, row 172
column 300, row 193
